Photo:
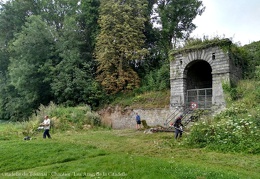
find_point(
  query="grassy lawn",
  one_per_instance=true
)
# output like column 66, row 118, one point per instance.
column 126, row 154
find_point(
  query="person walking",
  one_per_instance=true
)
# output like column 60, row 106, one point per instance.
column 178, row 127
column 138, row 121
column 46, row 124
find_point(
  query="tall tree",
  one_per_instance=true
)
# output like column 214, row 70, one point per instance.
column 73, row 82
column 30, row 50
column 55, row 11
column 88, row 20
column 58, row 49
column 12, row 17
column 153, row 59
column 176, row 20
column 88, row 27
column 120, row 44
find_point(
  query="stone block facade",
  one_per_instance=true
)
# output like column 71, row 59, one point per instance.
column 206, row 67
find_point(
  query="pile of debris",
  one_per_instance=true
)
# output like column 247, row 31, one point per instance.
column 158, row 129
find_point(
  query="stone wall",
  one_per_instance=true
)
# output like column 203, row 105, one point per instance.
column 124, row 118
column 223, row 70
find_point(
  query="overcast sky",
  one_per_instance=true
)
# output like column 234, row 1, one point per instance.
column 235, row 19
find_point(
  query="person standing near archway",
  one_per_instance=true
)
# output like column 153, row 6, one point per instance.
column 178, row 127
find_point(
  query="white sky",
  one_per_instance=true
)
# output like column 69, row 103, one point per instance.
column 235, row 19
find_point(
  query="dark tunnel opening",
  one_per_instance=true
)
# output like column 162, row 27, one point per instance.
column 199, row 75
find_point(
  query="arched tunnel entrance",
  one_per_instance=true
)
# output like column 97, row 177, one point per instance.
column 197, row 75
column 198, row 84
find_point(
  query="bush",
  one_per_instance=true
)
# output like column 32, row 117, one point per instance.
column 257, row 73
column 157, row 80
column 230, row 134
column 235, row 129
column 67, row 118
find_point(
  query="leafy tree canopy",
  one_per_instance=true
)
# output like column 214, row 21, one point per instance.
column 176, row 19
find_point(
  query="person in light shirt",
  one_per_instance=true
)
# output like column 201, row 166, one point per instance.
column 46, row 124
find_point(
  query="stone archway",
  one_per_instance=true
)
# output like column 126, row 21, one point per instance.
column 206, row 67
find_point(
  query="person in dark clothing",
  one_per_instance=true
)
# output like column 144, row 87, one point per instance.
column 178, row 127
column 138, row 121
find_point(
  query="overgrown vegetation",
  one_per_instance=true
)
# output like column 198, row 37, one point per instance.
column 149, row 99
column 198, row 44
column 236, row 129
column 62, row 119
column 156, row 80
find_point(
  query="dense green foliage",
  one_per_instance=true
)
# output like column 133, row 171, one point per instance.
column 26, row 71
column 156, row 80
column 252, row 54
column 77, row 52
column 176, row 18
column 235, row 129
column 64, row 118
column 48, row 57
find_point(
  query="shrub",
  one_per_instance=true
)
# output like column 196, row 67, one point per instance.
column 235, row 129
column 228, row 133
column 92, row 119
column 257, row 73
column 67, row 118
column 157, row 80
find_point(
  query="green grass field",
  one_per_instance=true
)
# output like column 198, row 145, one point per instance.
column 104, row 153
